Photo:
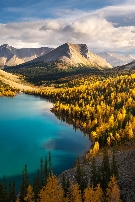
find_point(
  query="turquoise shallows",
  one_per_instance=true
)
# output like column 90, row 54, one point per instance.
column 28, row 130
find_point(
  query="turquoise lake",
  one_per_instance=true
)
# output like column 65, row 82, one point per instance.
column 28, row 130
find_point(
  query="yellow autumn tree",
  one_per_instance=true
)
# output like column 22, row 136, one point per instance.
column 129, row 131
column 113, row 191
column 75, row 193
column 30, row 194
column 52, row 192
column 95, row 149
column 17, row 200
column 93, row 194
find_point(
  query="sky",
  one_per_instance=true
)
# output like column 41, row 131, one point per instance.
column 105, row 26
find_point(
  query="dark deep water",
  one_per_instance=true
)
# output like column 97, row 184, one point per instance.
column 28, row 130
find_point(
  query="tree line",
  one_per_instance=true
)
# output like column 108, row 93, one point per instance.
column 102, row 107
column 7, row 90
column 46, row 187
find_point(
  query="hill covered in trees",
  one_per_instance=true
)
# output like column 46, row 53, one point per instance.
column 42, row 73
column 101, row 104
column 102, row 107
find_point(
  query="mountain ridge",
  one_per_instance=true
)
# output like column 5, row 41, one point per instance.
column 11, row 56
column 116, row 59
column 73, row 54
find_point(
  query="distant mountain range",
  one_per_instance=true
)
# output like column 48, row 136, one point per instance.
column 65, row 55
column 73, row 55
column 128, row 67
column 115, row 59
column 11, row 56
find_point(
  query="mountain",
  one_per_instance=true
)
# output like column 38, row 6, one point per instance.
column 115, row 59
column 127, row 67
column 11, row 56
column 73, row 55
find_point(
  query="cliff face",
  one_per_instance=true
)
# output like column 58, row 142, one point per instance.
column 74, row 54
column 11, row 56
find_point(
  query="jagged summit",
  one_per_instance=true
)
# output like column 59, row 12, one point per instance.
column 74, row 54
column 11, row 56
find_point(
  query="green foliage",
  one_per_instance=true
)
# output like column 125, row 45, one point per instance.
column 94, row 173
column 7, row 193
column 114, row 168
column 80, row 176
column 24, row 185
column 105, row 170
column 102, row 107
column 11, row 191
column 102, row 174
column 42, row 175
column 48, row 73
column 65, row 184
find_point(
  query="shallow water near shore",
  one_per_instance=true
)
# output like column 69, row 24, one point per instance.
column 28, row 130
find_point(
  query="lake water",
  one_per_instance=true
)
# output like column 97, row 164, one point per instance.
column 28, row 130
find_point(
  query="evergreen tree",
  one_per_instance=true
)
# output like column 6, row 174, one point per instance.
column 94, row 173
column 80, row 177
column 46, row 174
column 105, row 170
column 42, row 177
column 50, row 171
column 24, row 185
column 5, row 195
column 1, row 192
column 36, row 185
column 65, row 184
column 11, row 191
column 114, row 168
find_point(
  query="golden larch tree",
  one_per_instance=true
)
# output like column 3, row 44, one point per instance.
column 93, row 194
column 75, row 193
column 52, row 192
column 30, row 194
column 113, row 191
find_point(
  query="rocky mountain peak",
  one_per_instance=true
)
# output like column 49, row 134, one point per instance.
column 74, row 54
column 11, row 56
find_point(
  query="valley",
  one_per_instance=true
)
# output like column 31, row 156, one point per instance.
column 67, row 101
column 90, row 96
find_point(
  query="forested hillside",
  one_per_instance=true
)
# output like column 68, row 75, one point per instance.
column 104, row 108
column 42, row 73
column 102, row 105
column 7, row 90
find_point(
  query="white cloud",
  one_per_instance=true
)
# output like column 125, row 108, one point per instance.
column 101, row 30
column 51, row 25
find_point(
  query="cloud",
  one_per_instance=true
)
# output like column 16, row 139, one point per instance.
column 51, row 25
column 120, row 15
column 111, row 28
